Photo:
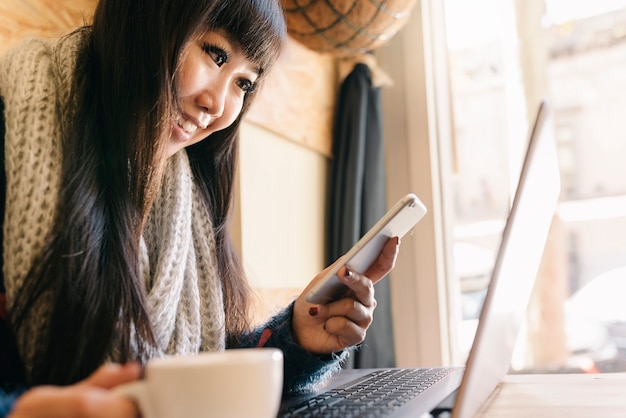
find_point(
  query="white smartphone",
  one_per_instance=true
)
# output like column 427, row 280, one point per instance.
column 395, row 223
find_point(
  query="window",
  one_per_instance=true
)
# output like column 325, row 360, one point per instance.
column 503, row 57
column 468, row 77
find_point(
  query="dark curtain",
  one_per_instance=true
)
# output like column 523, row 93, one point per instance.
column 358, row 198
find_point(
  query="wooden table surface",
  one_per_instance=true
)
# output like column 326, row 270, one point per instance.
column 564, row 395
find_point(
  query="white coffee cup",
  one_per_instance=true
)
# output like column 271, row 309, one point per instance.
column 244, row 382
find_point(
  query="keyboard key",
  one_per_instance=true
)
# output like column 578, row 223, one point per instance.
column 374, row 395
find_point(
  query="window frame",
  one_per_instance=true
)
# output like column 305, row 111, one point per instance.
column 418, row 133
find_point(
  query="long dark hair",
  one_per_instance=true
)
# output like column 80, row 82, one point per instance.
column 114, row 136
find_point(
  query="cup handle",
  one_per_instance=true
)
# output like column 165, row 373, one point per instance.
column 138, row 392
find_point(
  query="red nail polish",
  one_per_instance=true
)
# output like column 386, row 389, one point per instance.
column 313, row 310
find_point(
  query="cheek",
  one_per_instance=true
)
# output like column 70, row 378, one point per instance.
column 191, row 76
column 186, row 84
column 232, row 109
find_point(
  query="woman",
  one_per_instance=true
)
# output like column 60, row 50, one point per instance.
column 121, row 143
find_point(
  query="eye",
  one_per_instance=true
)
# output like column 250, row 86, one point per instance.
column 217, row 54
column 246, row 85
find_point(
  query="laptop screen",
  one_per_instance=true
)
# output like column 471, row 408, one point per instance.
column 515, row 270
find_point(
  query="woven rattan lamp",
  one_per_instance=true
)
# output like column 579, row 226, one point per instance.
column 345, row 27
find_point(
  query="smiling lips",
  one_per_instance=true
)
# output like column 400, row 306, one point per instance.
column 190, row 125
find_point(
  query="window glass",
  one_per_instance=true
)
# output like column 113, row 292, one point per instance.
column 504, row 57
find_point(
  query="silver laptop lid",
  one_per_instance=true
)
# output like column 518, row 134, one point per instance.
column 515, row 270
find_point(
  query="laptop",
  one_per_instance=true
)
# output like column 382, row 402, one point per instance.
column 414, row 392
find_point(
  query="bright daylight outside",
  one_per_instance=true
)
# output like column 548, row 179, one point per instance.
column 504, row 57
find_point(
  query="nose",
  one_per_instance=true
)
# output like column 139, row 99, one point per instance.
column 213, row 99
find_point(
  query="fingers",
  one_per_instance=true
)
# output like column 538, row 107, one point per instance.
column 72, row 401
column 343, row 323
column 110, row 375
column 348, row 319
column 351, row 310
column 361, row 287
column 89, row 398
column 346, row 332
column 386, row 260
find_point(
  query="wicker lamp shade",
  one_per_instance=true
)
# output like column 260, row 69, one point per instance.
column 345, row 27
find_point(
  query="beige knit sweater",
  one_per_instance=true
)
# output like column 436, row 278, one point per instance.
column 177, row 250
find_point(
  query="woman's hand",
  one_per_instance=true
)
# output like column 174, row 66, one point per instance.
column 323, row 329
column 90, row 398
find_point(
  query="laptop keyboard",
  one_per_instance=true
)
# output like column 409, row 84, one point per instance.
column 376, row 394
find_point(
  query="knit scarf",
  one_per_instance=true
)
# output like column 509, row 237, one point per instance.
column 177, row 250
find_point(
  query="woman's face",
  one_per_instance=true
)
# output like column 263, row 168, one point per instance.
column 214, row 77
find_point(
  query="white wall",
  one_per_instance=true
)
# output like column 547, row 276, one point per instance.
column 282, row 204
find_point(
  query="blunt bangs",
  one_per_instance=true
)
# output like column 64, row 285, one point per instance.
column 258, row 25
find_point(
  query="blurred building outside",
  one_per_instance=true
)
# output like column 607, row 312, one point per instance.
column 497, row 77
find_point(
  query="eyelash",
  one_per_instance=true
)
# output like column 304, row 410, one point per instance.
column 246, row 85
column 221, row 57
column 217, row 54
